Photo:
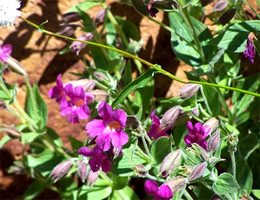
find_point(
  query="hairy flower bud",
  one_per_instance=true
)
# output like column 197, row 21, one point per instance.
column 15, row 66
column 100, row 76
column 212, row 124
column 177, row 183
column 170, row 163
column 77, row 46
column 227, row 16
column 132, row 122
column 87, row 84
column 170, row 116
column 68, row 30
column 99, row 19
column 82, row 170
column 188, row 90
column 92, row 178
column 140, row 170
column 198, row 171
column 61, row 170
column 11, row 131
column 195, row 111
column 213, row 142
column 70, row 17
column 219, row 6
column 100, row 95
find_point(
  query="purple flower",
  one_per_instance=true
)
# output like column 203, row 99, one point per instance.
column 250, row 48
column 57, row 92
column 110, row 128
column 98, row 159
column 5, row 51
column 197, row 134
column 156, row 131
column 160, row 193
column 77, row 106
column 152, row 11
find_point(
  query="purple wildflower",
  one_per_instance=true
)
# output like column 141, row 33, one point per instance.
column 5, row 51
column 156, row 131
column 160, row 193
column 250, row 48
column 110, row 128
column 152, row 11
column 197, row 134
column 98, row 159
column 76, row 107
column 57, row 92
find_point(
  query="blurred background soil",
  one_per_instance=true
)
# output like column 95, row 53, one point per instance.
column 39, row 54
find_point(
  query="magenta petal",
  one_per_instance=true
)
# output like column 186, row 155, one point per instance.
column 85, row 151
column 73, row 118
column 105, row 110
column 89, row 98
column 95, row 163
column 7, row 49
column 69, row 90
column 120, row 116
column 79, row 92
column 151, row 187
column 190, row 127
column 155, row 118
column 189, row 139
column 164, row 192
column 119, row 139
column 103, row 141
column 106, row 165
column 83, row 112
column 199, row 127
column 95, row 127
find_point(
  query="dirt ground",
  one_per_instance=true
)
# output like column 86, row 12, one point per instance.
column 39, row 54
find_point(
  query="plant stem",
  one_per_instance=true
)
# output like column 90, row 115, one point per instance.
column 187, row 195
column 233, row 163
column 126, row 54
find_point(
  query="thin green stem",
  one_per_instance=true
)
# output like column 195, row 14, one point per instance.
column 187, row 195
column 126, row 54
column 144, row 142
column 233, row 162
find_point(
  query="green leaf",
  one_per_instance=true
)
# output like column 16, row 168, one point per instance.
column 119, row 182
column 244, row 177
column 87, row 21
column 85, row 5
column 99, row 58
column 34, row 190
column 126, row 193
column 249, row 142
column 75, row 144
column 128, row 70
column 27, row 138
column 54, row 136
column 4, row 140
column 235, row 37
column 256, row 193
column 140, row 82
column 212, row 99
column 160, row 148
column 225, row 184
column 129, row 28
column 12, row 90
column 110, row 33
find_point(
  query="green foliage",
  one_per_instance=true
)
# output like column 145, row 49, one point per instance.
column 225, row 184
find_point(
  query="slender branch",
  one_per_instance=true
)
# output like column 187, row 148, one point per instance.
column 126, row 54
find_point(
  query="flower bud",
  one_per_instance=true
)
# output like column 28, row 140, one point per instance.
column 213, row 142
column 92, row 178
column 99, row 19
column 100, row 76
column 188, row 90
column 195, row 111
column 70, row 17
column 219, row 6
column 177, row 183
column 132, row 122
column 212, row 124
column 170, row 116
column 227, row 16
column 86, row 84
column 82, row 170
column 68, row 30
column 77, row 46
column 100, row 95
column 198, row 171
column 15, row 66
column 170, row 163
column 61, row 170
column 12, row 132
column 204, row 154
column 140, row 170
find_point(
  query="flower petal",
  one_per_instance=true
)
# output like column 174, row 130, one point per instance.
column 151, row 187
column 85, row 151
column 119, row 139
column 95, row 127
column 103, row 141
column 120, row 116
column 105, row 110
column 106, row 165
column 95, row 163
column 190, row 127
column 164, row 192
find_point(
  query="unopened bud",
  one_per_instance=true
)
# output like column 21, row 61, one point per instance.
column 219, row 6
column 188, row 90
column 213, row 142
column 61, row 170
column 11, row 131
column 170, row 116
column 82, row 170
column 211, row 124
column 170, row 163
column 100, row 95
column 68, row 30
column 15, row 66
column 92, row 178
column 70, row 17
column 227, row 16
column 204, row 154
column 182, row 119
column 87, row 84
column 195, row 111
column 198, row 171
column 140, row 170
column 100, row 76
column 132, row 122
column 177, row 183
column 77, row 46
column 99, row 19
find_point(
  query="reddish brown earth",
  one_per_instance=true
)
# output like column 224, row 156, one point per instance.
column 39, row 54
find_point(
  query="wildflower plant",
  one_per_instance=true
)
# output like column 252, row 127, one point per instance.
column 190, row 146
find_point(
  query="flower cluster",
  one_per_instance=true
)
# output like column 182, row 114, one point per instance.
column 73, row 100
column 197, row 134
column 250, row 48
